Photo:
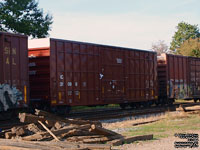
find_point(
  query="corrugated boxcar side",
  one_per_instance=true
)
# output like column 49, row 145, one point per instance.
column 177, row 79
column 112, row 72
column 90, row 74
column 14, row 63
column 74, row 73
column 182, row 77
column 141, row 75
column 194, row 74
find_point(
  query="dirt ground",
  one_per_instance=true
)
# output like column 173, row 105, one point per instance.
column 161, row 144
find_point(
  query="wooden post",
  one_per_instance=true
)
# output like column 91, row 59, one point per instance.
column 130, row 139
column 103, row 131
column 48, row 131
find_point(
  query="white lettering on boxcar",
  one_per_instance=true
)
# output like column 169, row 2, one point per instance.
column 119, row 60
column 61, row 84
column 101, row 76
column 77, row 93
column 61, row 76
column 69, row 83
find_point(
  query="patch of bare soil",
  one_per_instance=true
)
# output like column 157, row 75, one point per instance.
column 157, row 144
column 161, row 144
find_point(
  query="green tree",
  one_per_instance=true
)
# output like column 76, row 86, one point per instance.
column 190, row 47
column 24, row 16
column 184, row 32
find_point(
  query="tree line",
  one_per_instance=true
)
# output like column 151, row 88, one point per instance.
column 25, row 17
column 185, row 41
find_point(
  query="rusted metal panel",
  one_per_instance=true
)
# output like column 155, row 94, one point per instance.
column 91, row 74
column 141, row 75
column 74, row 73
column 14, row 70
column 174, row 76
column 113, row 72
column 194, row 74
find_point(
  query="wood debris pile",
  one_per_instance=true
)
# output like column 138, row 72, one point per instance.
column 44, row 126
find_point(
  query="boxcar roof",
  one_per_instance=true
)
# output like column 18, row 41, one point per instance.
column 45, row 42
column 12, row 34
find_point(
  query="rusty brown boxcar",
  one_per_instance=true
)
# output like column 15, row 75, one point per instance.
column 179, row 77
column 14, row 84
column 69, row 73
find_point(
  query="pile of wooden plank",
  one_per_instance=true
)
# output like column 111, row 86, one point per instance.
column 44, row 126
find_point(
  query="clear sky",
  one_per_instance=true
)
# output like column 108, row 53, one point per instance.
column 126, row 23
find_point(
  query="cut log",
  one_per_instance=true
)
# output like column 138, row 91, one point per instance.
column 16, row 148
column 41, row 148
column 36, row 137
column 82, row 147
column 47, row 114
column 2, row 133
column 33, row 128
column 145, row 122
column 50, row 123
column 43, row 135
column 100, row 139
column 103, row 131
column 25, row 145
column 9, row 135
column 128, row 140
column 76, row 132
column 61, row 119
column 80, row 131
column 19, row 131
column 48, row 131
column 29, row 118
column 59, row 124
column 81, row 138
column 96, row 146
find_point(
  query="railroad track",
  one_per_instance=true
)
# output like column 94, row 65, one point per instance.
column 119, row 113
column 113, row 113
column 106, row 114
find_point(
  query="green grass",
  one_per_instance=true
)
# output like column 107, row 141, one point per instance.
column 167, row 127
column 94, row 107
